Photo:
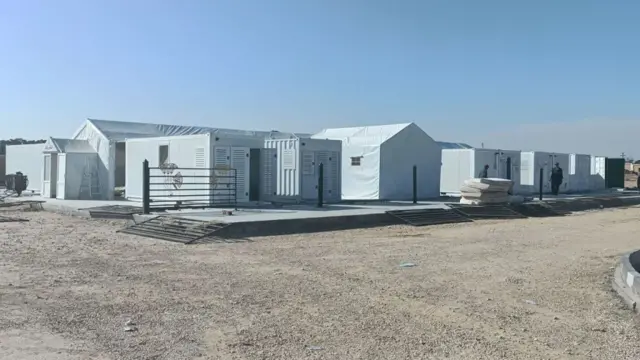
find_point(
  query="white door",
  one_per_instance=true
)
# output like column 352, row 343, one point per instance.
column 46, row 176
column 240, row 163
column 309, row 181
column 220, row 178
column 62, row 172
column 325, row 158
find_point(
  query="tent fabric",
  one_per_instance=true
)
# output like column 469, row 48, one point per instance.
column 362, row 135
column 28, row 159
column 377, row 161
column 120, row 130
column 68, row 146
column 361, row 182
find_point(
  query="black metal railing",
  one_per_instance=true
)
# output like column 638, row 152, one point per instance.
column 171, row 187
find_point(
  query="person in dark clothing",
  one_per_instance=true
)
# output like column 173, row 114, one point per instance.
column 556, row 179
column 484, row 173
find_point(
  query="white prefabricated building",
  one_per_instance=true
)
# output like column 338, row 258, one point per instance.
column 219, row 162
column 108, row 138
column 459, row 165
column 26, row 158
column 530, row 164
column 578, row 174
column 597, row 178
column 377, row 161
column 70, row 170
column 291, row 169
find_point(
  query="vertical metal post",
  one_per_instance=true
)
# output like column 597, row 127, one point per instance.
column 415, row 184
column 146, row 199
column 320, row 184
column 235, row 191
column 541, row 181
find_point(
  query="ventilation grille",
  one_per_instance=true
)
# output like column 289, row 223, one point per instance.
column 308, row 165
column 200, row 158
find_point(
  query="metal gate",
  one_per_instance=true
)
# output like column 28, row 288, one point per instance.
column 171, row 187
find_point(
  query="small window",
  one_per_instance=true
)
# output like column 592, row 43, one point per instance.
column 163, row 151
column 355, row 161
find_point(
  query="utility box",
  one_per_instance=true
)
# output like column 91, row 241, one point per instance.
column 290, row 167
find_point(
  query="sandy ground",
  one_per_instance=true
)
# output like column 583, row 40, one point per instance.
column 520, row 289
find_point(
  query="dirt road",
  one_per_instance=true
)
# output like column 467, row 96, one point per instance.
column 520, row 289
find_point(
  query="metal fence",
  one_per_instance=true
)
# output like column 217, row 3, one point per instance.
column 171, row 187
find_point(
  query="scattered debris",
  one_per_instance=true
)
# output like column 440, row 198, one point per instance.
column 130, row 328
column 130, row 323
column 531, row 302
column 315, row 348
column 407, row 265
column 175, row 229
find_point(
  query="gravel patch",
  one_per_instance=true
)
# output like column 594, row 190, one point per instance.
column 72, row 288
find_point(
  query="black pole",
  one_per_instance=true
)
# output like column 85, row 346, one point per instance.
column 541, row 181
column 145, row 188
column 415, row 184
column 320, row 184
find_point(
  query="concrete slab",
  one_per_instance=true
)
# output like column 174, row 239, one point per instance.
column 72, row 207
column 296, row 212
column 267, row 219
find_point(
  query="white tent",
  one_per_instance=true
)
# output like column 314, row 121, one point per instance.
column 26, row 158
column 107, row 138
column 70, row 170
column 377, row 161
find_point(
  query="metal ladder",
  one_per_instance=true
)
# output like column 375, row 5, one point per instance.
column 90, row 181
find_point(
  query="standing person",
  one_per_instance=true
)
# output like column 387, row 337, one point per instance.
column 556, row 179
column 484, row 173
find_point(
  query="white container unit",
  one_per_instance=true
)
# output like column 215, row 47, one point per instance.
column 234, row 152
column 530, row 164
column 597, row 173
column 578, row 174
column 459, row 165
column 26, row 158
column 183, row 155
column 290, row 169
column 194, row 163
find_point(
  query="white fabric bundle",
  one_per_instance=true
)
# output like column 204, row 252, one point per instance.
column 485, row 191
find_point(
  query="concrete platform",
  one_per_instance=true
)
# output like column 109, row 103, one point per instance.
column 70, row 207
column 298, row 219
column 266, row 219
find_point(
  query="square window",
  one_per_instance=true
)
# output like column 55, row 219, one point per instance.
column 355, row 161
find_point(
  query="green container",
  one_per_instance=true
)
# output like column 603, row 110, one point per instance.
column 614, row 172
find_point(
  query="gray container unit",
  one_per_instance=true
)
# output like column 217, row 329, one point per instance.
column 290, row 169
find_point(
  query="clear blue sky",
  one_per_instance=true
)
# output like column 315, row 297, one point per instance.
column 489, row 71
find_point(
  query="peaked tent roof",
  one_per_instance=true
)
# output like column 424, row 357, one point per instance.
column 121, row 130
column 371, row 135
column 67, row 146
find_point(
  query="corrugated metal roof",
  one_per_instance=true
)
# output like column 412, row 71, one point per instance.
column 452, row 145
column 121, row 130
